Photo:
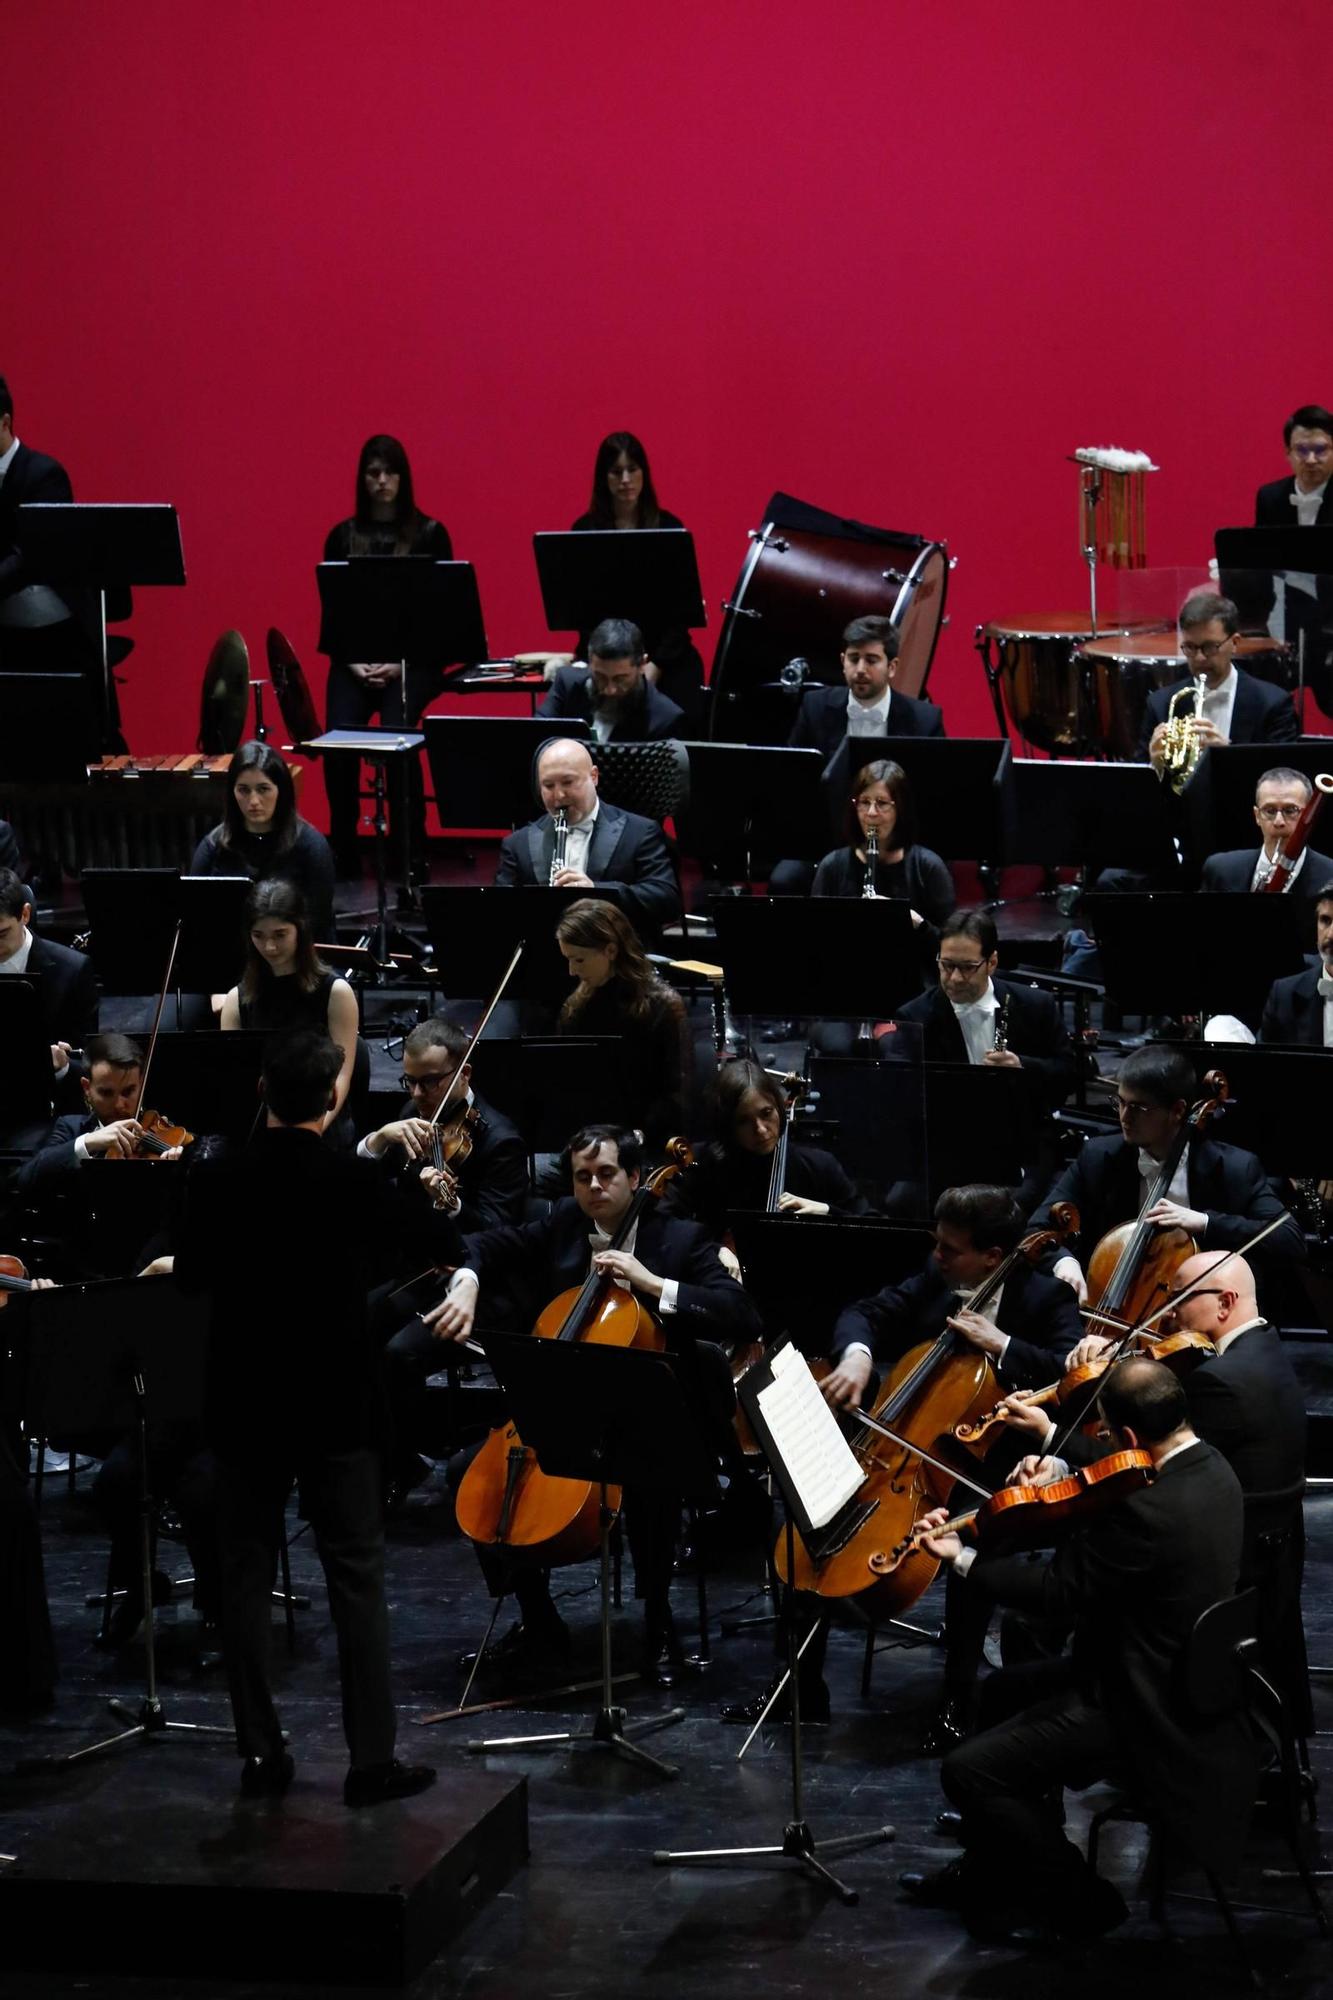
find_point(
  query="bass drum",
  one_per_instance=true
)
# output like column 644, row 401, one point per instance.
column 807, row 574
column 1122, row 673
column 1038, row 678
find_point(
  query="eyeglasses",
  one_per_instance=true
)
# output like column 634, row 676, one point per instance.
column 1203, row 649
column 874, row 805
column 1314, row 451
column 1188, row 1292
column 958, row 968
column 1279, row 812
column 412, row 1084
column 1133, row 1104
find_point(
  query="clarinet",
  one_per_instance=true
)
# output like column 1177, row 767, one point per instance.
column 872, row 863
column 1002, row 1027
column 561, row 843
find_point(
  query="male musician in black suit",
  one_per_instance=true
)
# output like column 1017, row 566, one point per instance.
column 484, row 1191
column 868, row 705
column 1218, row 1193
column 613, row 692
column 675, row 1270
column 1299, row 1008
column 1237, row 708
column 1134, row 1581
column 1280, row 797
column 291, row 1394
column 1022, row 1333
column 1303, row 501
column 958, row 1021
column 606, row 848
column 65, row 981
column 1245, row 1400
column 37, row 632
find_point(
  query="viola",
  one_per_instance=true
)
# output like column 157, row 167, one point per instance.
column 505, row 1499
column 1028, row 1517
column 13, row 1278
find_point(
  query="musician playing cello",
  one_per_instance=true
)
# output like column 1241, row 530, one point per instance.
column 677, row 1273
column 1218, row 1193
column 1134, row 1581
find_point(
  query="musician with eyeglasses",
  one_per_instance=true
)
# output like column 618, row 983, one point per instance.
column 1280, row 797
column 1237, row 708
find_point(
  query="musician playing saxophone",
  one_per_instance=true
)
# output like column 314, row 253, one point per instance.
column 1237, row 708
column 605, row 847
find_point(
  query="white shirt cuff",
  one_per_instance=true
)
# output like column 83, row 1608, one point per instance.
column 363, row 1151
column 963, row 1561
column 463, row 1272
column 667, row 1302
column 1004, row 1348
column 1067, row 1268
column 81, row 1147
column 858, row 1347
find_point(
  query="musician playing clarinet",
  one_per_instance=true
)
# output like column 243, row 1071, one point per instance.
column 603, row 846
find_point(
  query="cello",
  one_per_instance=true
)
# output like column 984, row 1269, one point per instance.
column 932, row 1389
column 505, row 1500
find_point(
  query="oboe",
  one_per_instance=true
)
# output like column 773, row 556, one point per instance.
column 561, row 843
column 872, row 863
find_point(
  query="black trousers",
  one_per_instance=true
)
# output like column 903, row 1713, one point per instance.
column 27, row 1649
column 352, row 704
column 1008, row 1781
column 341, row 1495
column 180, row 1470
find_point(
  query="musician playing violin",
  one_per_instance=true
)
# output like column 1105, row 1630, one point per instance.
column 677, row 1273
column 1134, row 1581
column 1219, row 1194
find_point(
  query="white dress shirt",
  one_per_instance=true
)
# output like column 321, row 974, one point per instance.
column 868, row 718
column 17, row 962
column 1218, row 704
column 578, row 842
column 1179, row 1190
column 1263, row 868
column 976, row 1018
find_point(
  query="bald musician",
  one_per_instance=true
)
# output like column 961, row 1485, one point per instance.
column 606, row 848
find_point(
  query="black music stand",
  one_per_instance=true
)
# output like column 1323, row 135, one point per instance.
column 1219, row 799
column 927, row 1125
column 806, row 1268
column 1280, row 1105
column 607, row 1415
column 28, row 1072
column 379, row 748
column 102, row 548
column 749, row 800
column 816, row 956
column 133, row 914
column 49, row 729
column 483, row 767
column 798, row 1842
column 651, row 577
column 400, row 608
column 955, row 788
column 1061, row 813
column 100, row 1357
column 479, row 928
column 208, row 1081
column 1164, row 953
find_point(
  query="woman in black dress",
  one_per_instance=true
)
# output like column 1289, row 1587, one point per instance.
column 618, row 993
column 286, row 985
column 747, row 1109
column 263, row 835
column 624, row 497
column 387, row 522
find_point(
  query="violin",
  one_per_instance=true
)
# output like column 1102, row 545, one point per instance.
column 451, row 1142
column 13, row 1278
column 505, row 1499
column 1130, row 1269
column 1027, row 1517
column 934, row 1389
column 157, row 1135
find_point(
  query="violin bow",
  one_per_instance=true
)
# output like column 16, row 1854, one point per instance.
column 157, row 1017
column 481, row 1029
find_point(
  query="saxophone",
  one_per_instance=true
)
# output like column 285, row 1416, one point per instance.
column 872, row 863
column 561, row 843
column 1180, row 748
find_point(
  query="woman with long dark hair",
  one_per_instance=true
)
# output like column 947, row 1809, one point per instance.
column 387, row 522
column 619, row 994
column 263, row 835
column 286, row 984
column 624, row 496
column 746, row 1111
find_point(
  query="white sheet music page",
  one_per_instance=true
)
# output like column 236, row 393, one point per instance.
column 818, row 1459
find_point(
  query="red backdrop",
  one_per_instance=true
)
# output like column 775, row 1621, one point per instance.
column 895, row 259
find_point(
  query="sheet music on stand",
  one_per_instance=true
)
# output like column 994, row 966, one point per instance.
column 812, row 1462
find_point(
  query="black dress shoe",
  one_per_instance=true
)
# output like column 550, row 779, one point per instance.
column 522, row 1649
column 407, row 1476
column 127, row 1616
column 815, row 1708
column 948, row 1821
column 939, row 1889
column 267, row 1777
column 372, row 1784
column 946, row 1728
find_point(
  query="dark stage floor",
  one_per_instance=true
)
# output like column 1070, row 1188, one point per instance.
column 591, row 1915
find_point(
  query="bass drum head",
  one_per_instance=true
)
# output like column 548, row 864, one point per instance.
column 797, row 590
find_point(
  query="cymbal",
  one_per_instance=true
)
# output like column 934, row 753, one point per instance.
column 224, row 701
column 289, row 684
